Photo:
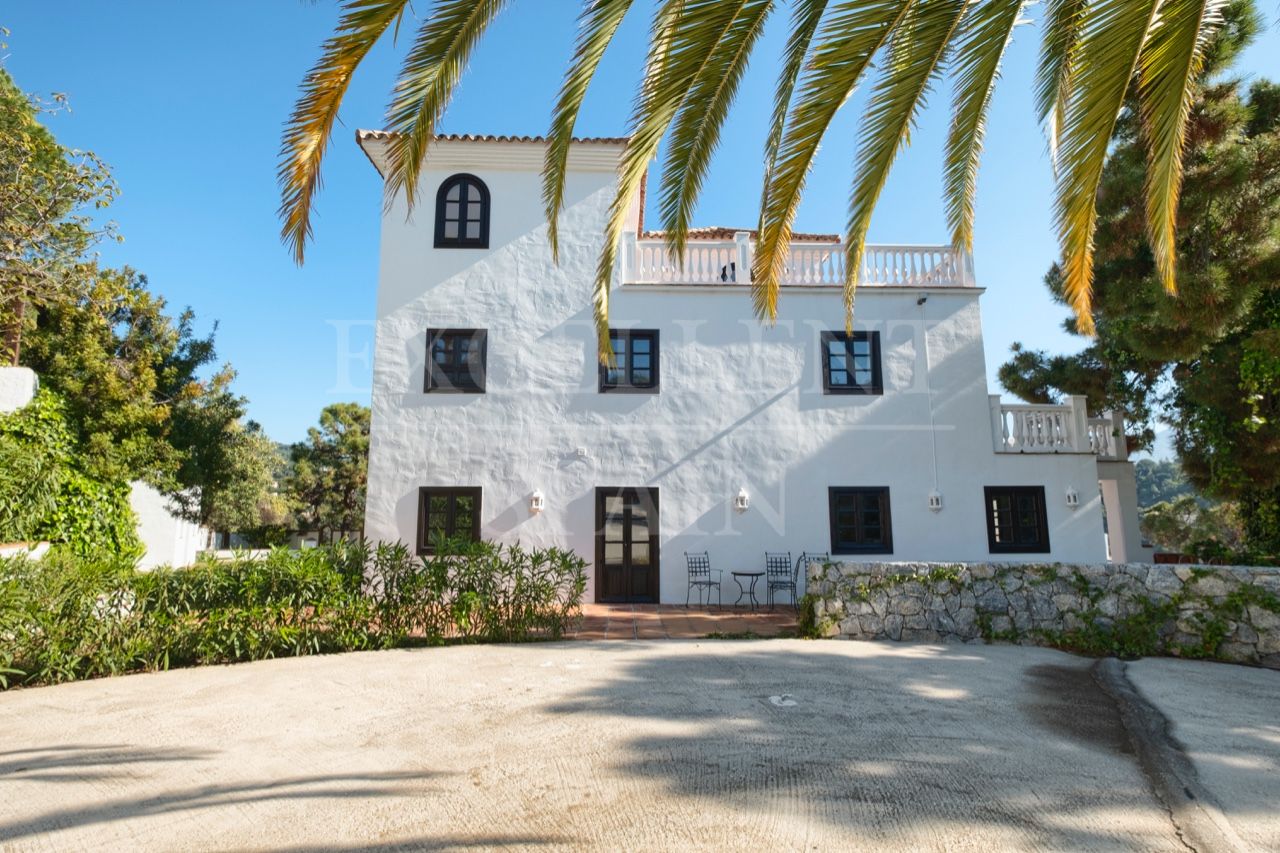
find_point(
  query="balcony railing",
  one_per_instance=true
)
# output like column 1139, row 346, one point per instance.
column 1018, row 428
column 809, row 264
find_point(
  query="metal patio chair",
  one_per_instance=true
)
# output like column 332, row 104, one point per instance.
column 701, row 577
column 778, row 575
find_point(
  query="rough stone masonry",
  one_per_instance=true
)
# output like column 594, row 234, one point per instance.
column 1229, row 613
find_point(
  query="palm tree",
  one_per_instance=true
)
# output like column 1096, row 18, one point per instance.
column 1093, row 52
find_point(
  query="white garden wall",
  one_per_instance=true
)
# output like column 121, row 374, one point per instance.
column 168, row 539
column 17, row 388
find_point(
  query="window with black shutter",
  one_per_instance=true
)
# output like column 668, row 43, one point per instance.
column 448, row 513
column 456, row 360
column 635, row 356
column 851, row 363
column 1016, row 520
column 860, row 522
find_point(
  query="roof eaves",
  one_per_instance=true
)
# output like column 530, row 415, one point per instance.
column 362, row 135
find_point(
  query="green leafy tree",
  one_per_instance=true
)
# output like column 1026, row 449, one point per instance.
column 133, row 402
column 330, row 472
column 122, row 364
column 47, row 195
column 1160, row 481
column 1186, row 525
column 227, row 462
column 1206, row 361
column 1093, row 52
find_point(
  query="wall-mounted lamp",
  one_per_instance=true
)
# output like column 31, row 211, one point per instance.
column 935, row 501
column 742, row 502
column 537, row 502
column 1073, row 497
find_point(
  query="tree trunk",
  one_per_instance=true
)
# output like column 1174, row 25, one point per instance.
column 12, row 345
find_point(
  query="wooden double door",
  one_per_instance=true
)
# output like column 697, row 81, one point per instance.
column 627, row 544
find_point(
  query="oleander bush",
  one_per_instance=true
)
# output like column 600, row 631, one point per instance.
column 68, row 617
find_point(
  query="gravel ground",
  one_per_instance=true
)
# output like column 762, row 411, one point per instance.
column 760, row 745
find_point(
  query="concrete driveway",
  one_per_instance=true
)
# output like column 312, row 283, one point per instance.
column 763, row 745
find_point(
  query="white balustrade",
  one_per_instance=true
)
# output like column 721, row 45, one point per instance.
column 1035, row 429
column 808, row 264
column 1104, row 439
column 1056, row 429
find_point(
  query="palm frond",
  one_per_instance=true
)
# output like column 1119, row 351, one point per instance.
column 685, row 34
column 427, row 79
column 916, row 52
column 985, row 33
column 1057, row 62
column 306, row 134
column 1167, row 72
column 598, row 23
column 1112, row 37
column 805, row 17
column 847, row 40
column 696, row 130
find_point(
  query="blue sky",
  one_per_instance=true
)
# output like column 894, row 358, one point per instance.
column 186, row 101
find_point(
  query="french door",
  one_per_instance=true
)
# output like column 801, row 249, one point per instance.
column 626, row 544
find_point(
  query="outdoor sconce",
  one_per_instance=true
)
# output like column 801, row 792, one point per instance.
column 935, row 501
column 1073, row 497
column 536, row 502
column 742, row 502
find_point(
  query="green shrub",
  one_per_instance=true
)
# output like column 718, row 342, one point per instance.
column 506, row 593
column 808, row 624
column 35, row 447
column 71, row 616
column 44, row 495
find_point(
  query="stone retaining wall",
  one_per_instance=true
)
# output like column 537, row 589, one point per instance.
column 1224, row 612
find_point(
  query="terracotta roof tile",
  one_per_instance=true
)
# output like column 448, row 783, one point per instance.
column 362, row 135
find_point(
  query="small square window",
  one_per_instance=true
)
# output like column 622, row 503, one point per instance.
column 1016, row 520
column 635, row 370
column 456, row 361
column 447, row 513
column 851, row 363
column 860, row 522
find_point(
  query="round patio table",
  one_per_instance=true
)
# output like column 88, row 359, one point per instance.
column 749, row 591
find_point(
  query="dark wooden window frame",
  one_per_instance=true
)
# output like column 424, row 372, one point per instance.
column 840, row 546
column 467, row 182
column 440, row 381
column 877, row 382
column 628, row 386
column 425, row 493
column 1041, row 545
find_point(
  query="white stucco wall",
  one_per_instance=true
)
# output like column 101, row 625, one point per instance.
column 17, row 387
column 741, row 405
column 168, row 539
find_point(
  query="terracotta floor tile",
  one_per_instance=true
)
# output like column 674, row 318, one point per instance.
column 675, row 621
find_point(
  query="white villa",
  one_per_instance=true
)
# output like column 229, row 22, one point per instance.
column 492, row 417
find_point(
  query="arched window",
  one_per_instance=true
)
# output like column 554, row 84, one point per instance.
column 462, row 213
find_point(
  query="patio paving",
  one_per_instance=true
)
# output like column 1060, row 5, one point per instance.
column 686, row 745
column 677, row 622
